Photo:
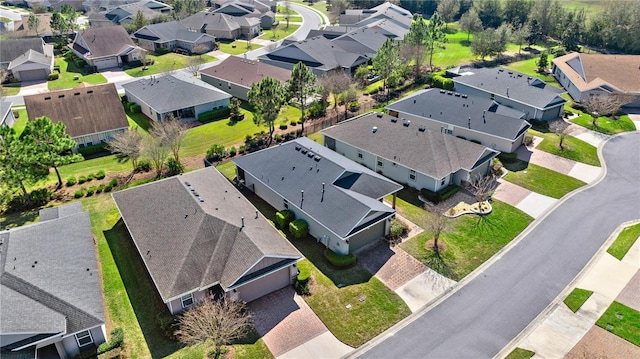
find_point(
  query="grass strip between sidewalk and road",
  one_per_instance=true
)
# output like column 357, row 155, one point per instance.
column 576, row 298
column 519, row 353
column 625, row 241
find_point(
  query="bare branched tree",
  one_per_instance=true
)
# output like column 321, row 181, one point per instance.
column 172, row 132
column 483, row 188
column 218, row 322
column 157, row 150
column 561, row 129
column 335, row 83
column 605, row 104
column 127, row 146
column 337, row 8
column 287, row 12
column 196, row 61
column 437, row 223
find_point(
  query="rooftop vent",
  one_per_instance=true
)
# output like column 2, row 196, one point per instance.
column 510, row 72
column 464, row 96
column 374, row 129
column 421, row 129
column 456, row 94
column 200, row 199
column 379, row 115
column 187, row 184
column 519, row 75
column 196, row 194
column 394, row 120
column 310, row 154
column 76, row 94
column 47, row 98
column 304, row 151
column 90, row 91
column 406, row 123
column 297, row 148
column 442, row 91
column 449, row 92
column 500, row 70
column 60, row 96
column 317, row 158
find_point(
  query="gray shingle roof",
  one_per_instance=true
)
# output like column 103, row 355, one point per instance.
column 174, row 92
column 287, row 171
column 13, row 48
column 245, row 72
column 429, row 152
column 514, row 85
column 452, row 108
column 188, row 244
column 210, row 21
column 5, row 107
column 31, row 56
column 169, row 31
column 49, row 273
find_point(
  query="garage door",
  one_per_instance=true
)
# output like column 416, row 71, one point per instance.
column 32, row 75
column 106, row 63
column 265, row 285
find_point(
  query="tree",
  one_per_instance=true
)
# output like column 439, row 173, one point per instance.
column 157, row 149
column 534, row 34
column 216, row 322
column 267, row 98
column 57, row 22
column 490, row 12
column 503, row 35
column 70, row 16
column 336, row 82
column 437, row 223
column 34, row 24
column 287, row 12
column 543, row 62
column 561, row 129
column 573, row 30
column 19, row 163
column 486, row 44
column 52, row 144
column 483, row 188
column 387, row 62
column 171, row 132
column 448, row 9
column 435, row 35
column 301, row 86
column 139, row 21
column 127, row 145
column 234, row 110
column 415, row 43
column 516, row 12
column 470, row 22
column 519, row 36
column 605, row 104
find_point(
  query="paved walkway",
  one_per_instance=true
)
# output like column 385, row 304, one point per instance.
column 560, row 332
column 33, row 88
column 531, row 203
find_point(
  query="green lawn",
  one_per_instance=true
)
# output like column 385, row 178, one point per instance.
column 380, row 309
column 470, row 239
column 529, row 67
column 622, row 321
column 625, row 241
column 10, row 89
column 279, row 32
column 606, row 125
column 519, row 353
column 591, row 7
column 316, row 136
column 21, row 121
column 576, row 298
column 541, row 180
column 237, row 47
column 292, row 18
column 228, row 169
column 68, row 71
column 573, row 148
column 167, row 62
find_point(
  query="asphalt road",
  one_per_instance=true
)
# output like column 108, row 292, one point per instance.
column 483, row 316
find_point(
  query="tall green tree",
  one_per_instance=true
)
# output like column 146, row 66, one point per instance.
column 387, row 62
column 573, row 30
column 448, row 10
column 34, row 24
column 267, row 98
column 516, row 12
column 415, row 43
column 301, row 86
column 139, row 21
column 543, row 62
column 470, row 22
column 435, row 35
column 70, row 16
column 19, row 164
column 490, row 12
column 534, row 35
column 51, row 143
column 58, row 22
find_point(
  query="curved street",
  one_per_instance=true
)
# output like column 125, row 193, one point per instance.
column 484, row 315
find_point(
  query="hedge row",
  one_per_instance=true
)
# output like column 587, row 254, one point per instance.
column 116, row 341
column 437, row 197
column 283, row 218
column 299, row 228
column 214, row 115
column 339, row 260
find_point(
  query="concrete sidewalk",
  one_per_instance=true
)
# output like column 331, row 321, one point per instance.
column 531, row 203
column 558, row 329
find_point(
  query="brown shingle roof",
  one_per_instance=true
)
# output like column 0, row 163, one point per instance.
column 619, row 71
column 102, row 41
column 84, row 111
column 245, row 72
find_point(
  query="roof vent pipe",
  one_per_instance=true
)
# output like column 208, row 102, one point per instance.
column 483, row 118
column 507, row 92
column 469, row 123
column 302, row 193
column 322, row 187
column 242, row 219
column 256, row 214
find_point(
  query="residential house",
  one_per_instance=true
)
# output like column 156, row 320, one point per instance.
column 199, row 237
column 409, row 153
column 50, row 288
column 6, row 115
column 583, row 75
column 106, row 47
column 537, row 99
column 166, row 36
column 28, row 59
column 222, row 26
column 387, row 10
column 107, row 5
column 319, row 54
column 92, row 114
column 21, row 27
column 180, row 95
column 473, row 118
column 126, row 14
column 248, row 9
column 340, row 200
column 235, row 75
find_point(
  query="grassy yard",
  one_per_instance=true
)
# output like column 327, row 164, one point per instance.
column 228, row 169
column 317, row 136
column 573, row 148
column 470, row 240
column 576, row 298
column 237, row 47
column 606, row 125
column 292, row 18
column 21, row 121
column 167, row 62
column 625, row 241
column 519, row 353
column 68, row 71
column 530, row 68
column 622, row 321
column 541, row 180
column 279, row 32
column 10, row 89
column 380, row 309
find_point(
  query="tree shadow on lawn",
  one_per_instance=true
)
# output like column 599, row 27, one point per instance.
column 145, row 301
column 515, row 165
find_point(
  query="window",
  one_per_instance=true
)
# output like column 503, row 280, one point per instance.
column 84, row 338
column 380, row 163
column 285, row 203
column 412, row 175
column 187, row 300
column 442, row 182
column 359, row 154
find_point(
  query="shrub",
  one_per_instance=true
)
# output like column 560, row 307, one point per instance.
column 278, row 137
column 108, row 188
column 78, row 193
column 293, row 122
column 94, row 151
column 116, row 341
column 100, row 188
column 528, row 140
column 82, row 179
column 215, row 152
column 90, row 191
column 299, row 228
column 71, row 181
column 56, row 68
column 283, row 126
column 283, row 218
column 397, row 229
column 437, row 197
column 135, row 108
column 53, row 76
column 90, row 177
column 232, row 151
column 315, row 110
column 113, row 182
column 100, row 175
column 301, row 284
column 242, row 149
column 143, row 166
column 442, row 82
column 214, row 115
column 508, row 157
column 354, row 106
column 174, row 167
column 339, row 260
column 40, row 197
